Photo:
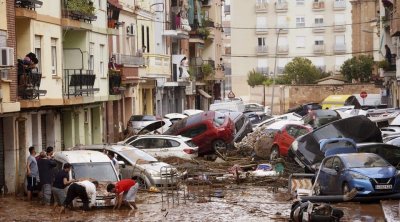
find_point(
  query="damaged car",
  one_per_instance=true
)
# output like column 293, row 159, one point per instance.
column 305, row 150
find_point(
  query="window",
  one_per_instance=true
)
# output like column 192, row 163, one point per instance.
column 174, row 143
column 299, row 2
column 300, row 22
column 339, row 19
column 300, row 41
column 262, row 1
column 140, row 143
column 261, row 41
column 282, row 41
column 319, row 40
column 53, row 56
column 328, row 163
column 339, row 40
column 101, row 60
column 319, row 20
column 38, row 51
column 195, row 131
column 91, row 56
column 100, row 4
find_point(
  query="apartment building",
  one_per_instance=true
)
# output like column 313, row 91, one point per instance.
column 276, row 31
column 226, row 42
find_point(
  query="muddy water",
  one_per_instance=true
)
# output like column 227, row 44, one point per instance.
column 238, row 204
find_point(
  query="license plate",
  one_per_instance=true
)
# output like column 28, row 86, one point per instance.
column 299, row 162
column 383, row 187
column 100, row 204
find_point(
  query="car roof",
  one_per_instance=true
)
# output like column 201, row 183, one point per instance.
column 355, row 154
column 111, row 147
column 81, row 156
column 282, row 123
column 164, row 136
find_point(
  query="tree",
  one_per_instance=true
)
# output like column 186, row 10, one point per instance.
column 358, row 68
column 301, row 71
column 255, row 78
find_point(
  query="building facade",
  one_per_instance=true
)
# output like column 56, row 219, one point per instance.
column 279, row 30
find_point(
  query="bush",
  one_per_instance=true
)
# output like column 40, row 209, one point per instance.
column 255, row 78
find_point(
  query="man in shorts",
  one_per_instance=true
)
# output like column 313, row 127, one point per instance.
column 126, row 190
column 32, row 172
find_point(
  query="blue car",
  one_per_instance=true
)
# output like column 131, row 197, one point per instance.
column 369, row 173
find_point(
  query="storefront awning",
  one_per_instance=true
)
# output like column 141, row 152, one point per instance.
column 203, row 93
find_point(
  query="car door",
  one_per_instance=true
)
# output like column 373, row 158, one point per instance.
column 158, row 147
column 287, row 137
column 195, row 133
column 325, row 174
column 126, row 169
column 335, row 181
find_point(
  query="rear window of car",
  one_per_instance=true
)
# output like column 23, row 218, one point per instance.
column 190, row 143
column 219, row 118
column 143, row 118
column 239, row 123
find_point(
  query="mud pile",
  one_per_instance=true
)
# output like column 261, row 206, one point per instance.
column 258, row 143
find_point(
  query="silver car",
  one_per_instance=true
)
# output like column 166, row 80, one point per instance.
column 138, row 165
column 138, row 122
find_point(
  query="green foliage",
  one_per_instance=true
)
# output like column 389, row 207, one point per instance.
column 204, row 32
column 82, row 6
column 358, row 68
column 255, row 78
column 301, row 71
column 283, row 80
column 384, row 64
column 207, row 70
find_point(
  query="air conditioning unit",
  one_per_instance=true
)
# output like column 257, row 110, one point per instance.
column 6, row 56
column 131, row 29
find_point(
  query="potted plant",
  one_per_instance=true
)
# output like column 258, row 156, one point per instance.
column 207, row 70
column 203, row 32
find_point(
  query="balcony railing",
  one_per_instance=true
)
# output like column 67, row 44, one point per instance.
column 261, row 7
column 196, row 67
column 340, row 47
column 319, row 49
column 318, row 6
column 158, row 64
column 318, row 27
column 29, row 4
column 281, row 6
column 114, row 82
column 78, row 82
column 339, row 27
column 283, row 49
column 339, row 5
column 74, row 12
column 263, row 70
column 29, row 82
column 261, row 49
column 129, row 60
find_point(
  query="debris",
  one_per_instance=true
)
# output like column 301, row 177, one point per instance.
column 258, row 143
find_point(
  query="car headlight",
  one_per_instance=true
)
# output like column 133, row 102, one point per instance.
column 154, row 173
column 295, row 145
column 358, row 176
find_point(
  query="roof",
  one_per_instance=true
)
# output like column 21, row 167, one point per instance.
column 334, row 77
column 81, row 156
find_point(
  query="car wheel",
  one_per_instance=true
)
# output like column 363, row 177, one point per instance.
column 142, row 183
column 219, row 145
column 345, row 188
column 274, row 153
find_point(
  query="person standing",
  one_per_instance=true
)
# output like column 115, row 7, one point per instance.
column 61, row 181
column 111, row 155
column 46, row 165
column 84, row 190
column 32, row 172
column 126, row 190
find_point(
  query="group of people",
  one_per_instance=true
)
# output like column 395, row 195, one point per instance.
column 41, row 175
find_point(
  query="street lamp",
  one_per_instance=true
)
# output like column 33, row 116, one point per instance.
column 275, row 71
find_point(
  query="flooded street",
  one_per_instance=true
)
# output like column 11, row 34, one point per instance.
column 239, row 203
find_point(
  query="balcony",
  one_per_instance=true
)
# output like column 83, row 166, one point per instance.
column 282, row 29
column 339, row 5
column 261, row 49
column 79, row 82
column 129, row 60
column 157, row 64
column 113, row 11
column 395, row 24
column 340, row 48
column 339, row 27
column 78, row 14
column 319, row 49
column 281, row 7
column 29, row 83
column 263, row 70
column 318, row 6
column 318, row 27
column 261, row 7
column 261, row 29
column 114, row 82
column 201, row 69
column 28, row 4
column 227, row 9
column 283, row 49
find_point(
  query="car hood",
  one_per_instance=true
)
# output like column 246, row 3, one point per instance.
column 156, row 166
column 358, row 128
column 376, row 172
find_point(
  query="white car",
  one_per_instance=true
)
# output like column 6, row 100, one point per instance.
column 288, row 116
column 191, row 112
column 390, row 130
column 174, row 117
column 165, row 145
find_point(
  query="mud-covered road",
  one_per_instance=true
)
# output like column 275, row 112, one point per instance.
column 239, row 203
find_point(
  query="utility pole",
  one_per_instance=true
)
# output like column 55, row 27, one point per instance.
column 273, row 80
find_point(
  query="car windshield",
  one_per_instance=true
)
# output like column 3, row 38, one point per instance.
column 97, row 171
column 364, row 161
column 143, row 118
column 138, row 156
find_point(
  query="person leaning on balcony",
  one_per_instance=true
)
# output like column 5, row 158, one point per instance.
column 178, row 20
column 388, row 54
column 112, row 65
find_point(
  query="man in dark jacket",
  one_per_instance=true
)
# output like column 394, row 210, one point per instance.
column 46, row 165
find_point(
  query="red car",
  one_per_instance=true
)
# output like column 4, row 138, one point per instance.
column 286, row 132
column 209, row 130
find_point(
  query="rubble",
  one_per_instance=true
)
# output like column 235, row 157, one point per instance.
column 259, row 143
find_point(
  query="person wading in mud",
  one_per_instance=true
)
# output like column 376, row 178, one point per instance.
column 32, row 172
column 46, row 165
column 60, row 183
column 126, row 190
column 83, row 189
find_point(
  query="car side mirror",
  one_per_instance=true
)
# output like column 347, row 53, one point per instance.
column 121, row 163
column 337, row 168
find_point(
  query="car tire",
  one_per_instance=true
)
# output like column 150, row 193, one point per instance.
column 274, row 152
column 220, row 146
column 345, row 188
